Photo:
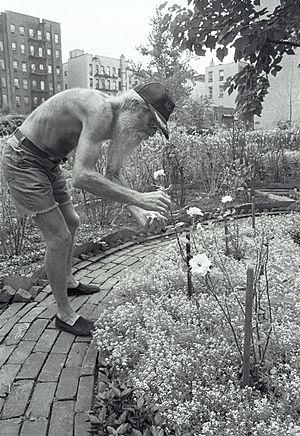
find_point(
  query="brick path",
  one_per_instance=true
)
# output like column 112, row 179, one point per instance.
column 47, row 376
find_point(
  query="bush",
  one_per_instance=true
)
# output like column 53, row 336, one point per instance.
column 9, row 123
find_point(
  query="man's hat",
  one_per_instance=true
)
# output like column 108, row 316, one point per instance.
column 159, row 102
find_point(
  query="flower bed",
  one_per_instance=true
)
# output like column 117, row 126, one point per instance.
column 180, row 352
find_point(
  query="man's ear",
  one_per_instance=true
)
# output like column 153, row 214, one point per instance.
column 135, row 103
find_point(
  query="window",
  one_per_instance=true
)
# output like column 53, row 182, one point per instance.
column 42, row 85
column 50, row 86
column 22, row 49
column 108, row 71
column 24, row 67
column 15, row 65
column 35, row 101
column 210, row 76
column 49, row 52
column 18, row 101
column 41, row 67
column 210, row 92
column 33, row 68
column 33, row 83
column 39, row 34
column 91, row 83
column 58, row 87
column 114, row 71
column 40, row 51
column 221, row 91
column 97, row 69
column 14, row 46
column 97, row 84
column 119, row 72
column 57, row 70
column 50, row 69
column 90, row 69
column 26, row 101
column 13, row 28
column 3, row 82
column 4, row 99
column 25, row 84
column 30, row 32
column 56, row 40
column 16, row 82
column 57, row 54
column 2, row 65
column 65, row 73
column 108, row 84
column 102, row 70
column 31, row 49
column 115, row 85
column 22, row 30
column 48, row 36
column 1, row 45
column 221, row 75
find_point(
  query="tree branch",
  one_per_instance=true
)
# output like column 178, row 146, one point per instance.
column 284, row 42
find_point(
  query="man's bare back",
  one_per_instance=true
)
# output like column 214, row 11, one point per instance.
column 55, row 127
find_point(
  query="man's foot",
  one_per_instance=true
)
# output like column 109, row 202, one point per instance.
column 81, row 327
column 82, row 289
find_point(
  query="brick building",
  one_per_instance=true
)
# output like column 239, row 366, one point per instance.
column 30, row 61
column 106, row 74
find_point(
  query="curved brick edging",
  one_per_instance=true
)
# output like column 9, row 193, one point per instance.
column 47, row 376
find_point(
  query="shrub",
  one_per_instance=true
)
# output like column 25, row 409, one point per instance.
column 9, row 123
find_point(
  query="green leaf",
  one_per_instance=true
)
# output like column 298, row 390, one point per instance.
column 140, row 402
column 210, row 42
column 136, row 432
column 221, row 53
column 162, row 6
column 122, row 428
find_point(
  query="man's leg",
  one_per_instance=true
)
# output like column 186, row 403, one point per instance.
column 72, row 221
column 58, row 241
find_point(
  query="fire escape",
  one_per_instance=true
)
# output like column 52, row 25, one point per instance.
column 39, row 78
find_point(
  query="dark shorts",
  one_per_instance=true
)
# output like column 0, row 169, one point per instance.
column 37, row 184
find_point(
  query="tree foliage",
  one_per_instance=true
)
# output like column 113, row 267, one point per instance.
column 167, row 64
column 258, row 37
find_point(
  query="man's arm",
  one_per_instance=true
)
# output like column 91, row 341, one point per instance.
column 149, row 220
column 87, row 178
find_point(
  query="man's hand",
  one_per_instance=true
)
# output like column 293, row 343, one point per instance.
column 151, row 221
column 157, row 201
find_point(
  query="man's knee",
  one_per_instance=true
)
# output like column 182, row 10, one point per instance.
column 60, row 242
column 73, row 222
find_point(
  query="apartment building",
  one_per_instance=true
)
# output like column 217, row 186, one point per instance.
column 30, row 61
column 105, row 74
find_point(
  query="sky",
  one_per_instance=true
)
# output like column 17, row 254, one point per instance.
column 106, row 28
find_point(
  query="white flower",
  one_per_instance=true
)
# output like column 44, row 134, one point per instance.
column 192, row 211
column 226, row 198
column 158, row 173
column 200, row 264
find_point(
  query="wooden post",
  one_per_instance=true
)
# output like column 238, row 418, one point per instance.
column 188, row 258
column 226, row 231
column 248, row 327
column 253, row 211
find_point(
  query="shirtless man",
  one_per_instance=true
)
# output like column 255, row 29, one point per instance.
column 82, row 119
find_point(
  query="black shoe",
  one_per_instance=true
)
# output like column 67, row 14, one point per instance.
column 83, row 289
column 82, row 326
